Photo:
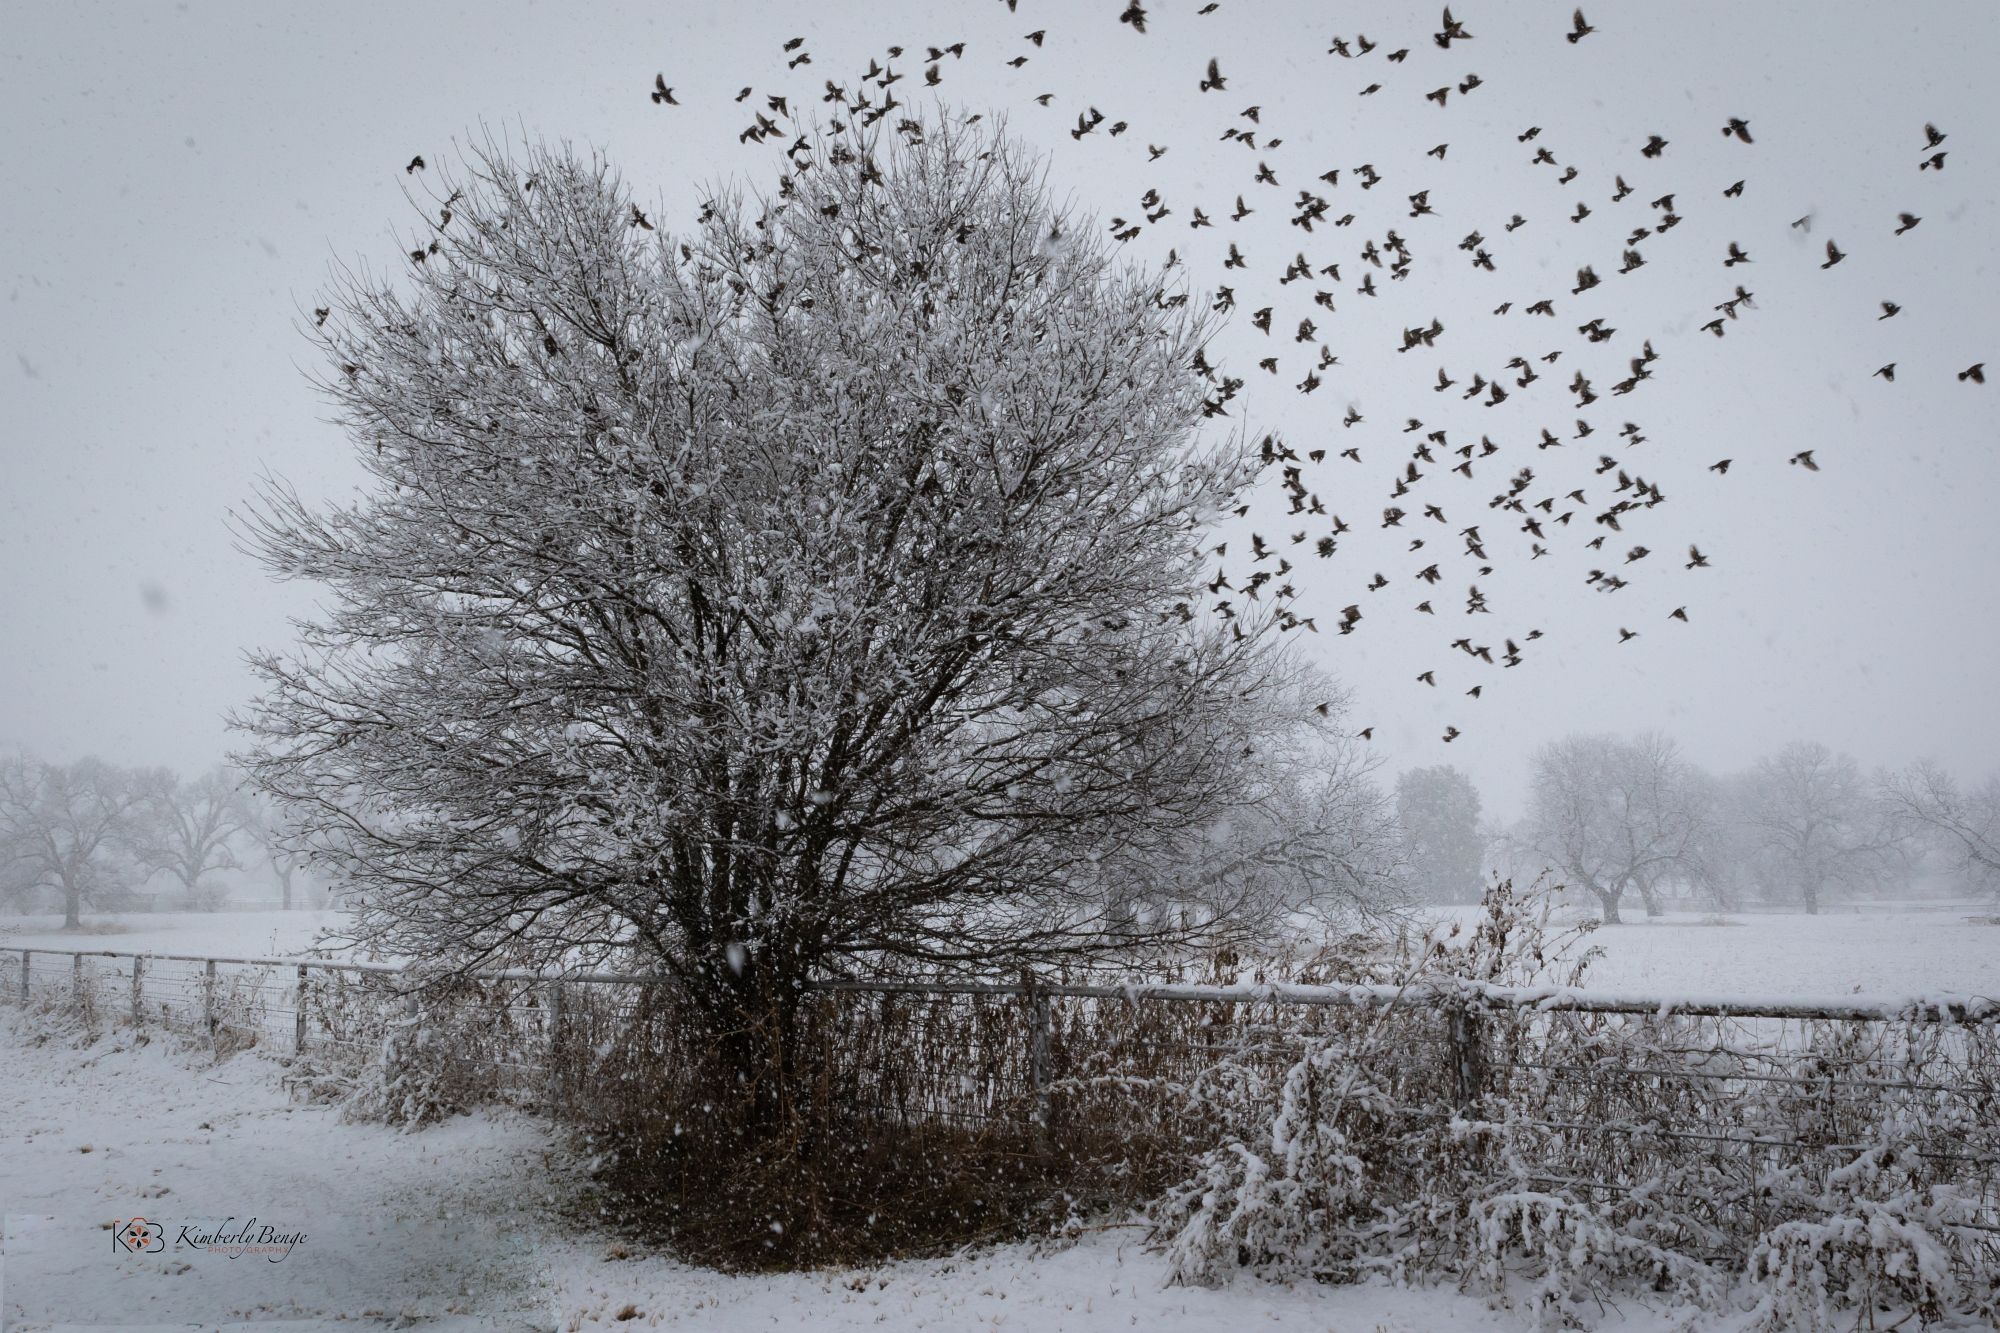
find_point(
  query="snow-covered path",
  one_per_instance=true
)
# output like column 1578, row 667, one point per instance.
column 395, row 1223
column 454, row 1229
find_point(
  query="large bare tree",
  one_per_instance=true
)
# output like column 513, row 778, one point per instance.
column 1610, row 815
column 66, row 827
column 188, row 828
column 1966, row 821
column 1820, row 822
column 807, row 596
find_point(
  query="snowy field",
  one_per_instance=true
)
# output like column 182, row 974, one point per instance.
column 1751, row 953
column 461, row 1227
column 1758, row 953
column 269, row 934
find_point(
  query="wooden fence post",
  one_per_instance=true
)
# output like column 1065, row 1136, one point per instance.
column 76, row 980
column 24, row 974
column 299, row 1014
column 138, row 991
column 208, row 997
column 1465, row 1042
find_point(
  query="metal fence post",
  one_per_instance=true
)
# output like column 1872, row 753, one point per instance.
column 208, row 997
column 553, row 1016
column 299, row 1014
column 138, row 991
column 1464, row 1040
column 1038, row 1049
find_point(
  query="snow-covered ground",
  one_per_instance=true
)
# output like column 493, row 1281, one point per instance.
column 1764, row 953
column 460, row 1227
column 1750, row 953
column 270, row 934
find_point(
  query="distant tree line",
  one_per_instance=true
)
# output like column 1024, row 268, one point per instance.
column 91, row 834
column 1632, row 818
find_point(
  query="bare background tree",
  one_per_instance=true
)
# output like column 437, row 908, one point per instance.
column 1820, row 823
column 187, row 828
column 809, row 596
column 1611, row 815
column 264, row 828
column 1309, row 848
column 67, row 827
column 1437, row 811
column 1966, row 822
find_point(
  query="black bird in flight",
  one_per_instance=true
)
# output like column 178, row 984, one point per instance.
column 1833, row 255
column 1214, row 82
column 1804, row 458
column 1134, row 15
column 1696, row 560
column 1907, row 221
column 1738, row 127
column 1578, row 29
column 662, row 93
column 1976, row 372
column 416, row 164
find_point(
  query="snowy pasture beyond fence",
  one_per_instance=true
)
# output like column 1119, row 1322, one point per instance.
column 1738, row 1116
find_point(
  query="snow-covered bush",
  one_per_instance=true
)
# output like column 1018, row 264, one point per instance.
column 1879, row 1241
column 1559, row 1256
column 1292, row 1200
column 1814, row 1170
column 438, row 1057
column 1348, row 1159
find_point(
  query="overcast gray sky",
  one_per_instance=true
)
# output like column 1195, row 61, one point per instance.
column 177, row 181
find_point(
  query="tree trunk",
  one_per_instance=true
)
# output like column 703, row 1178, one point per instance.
column 72, row 905
column 1650, row 898
column 1607, row 900
column 1811, row 888
column 751, row 1012
column 285, row 886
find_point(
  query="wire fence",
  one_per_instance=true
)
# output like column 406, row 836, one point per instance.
column 1731, row 1105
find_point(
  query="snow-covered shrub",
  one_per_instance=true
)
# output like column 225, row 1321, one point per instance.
column 1344, row 1161
column 1559, row 1257
column 407, row 1084
column 1878, row 1242
column 1291, row 1199
column 436, row 1059
column 1816, row 1170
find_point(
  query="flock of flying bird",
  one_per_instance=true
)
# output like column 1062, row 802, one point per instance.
column 1537, row 512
